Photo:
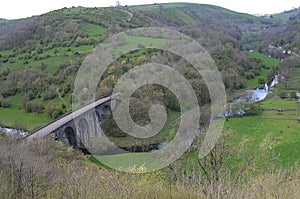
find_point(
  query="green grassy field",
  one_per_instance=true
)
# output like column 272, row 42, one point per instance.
column 95, row 31
column 285, row 115
column 281, row 137
column 277, row 103
column 254, row 82
column 14, row 116
column 132, row 42
column 176, row 15
column 269, row 61
column 128, row 161
column 19, row 118
column 279, row 131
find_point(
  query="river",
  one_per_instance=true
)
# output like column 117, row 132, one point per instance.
column 11, row 131
column 250, row 96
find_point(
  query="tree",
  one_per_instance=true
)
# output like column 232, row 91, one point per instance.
column 5, row 103
column 53, row 111
column 283, row 94
column 212, row 170
column 261, row 80
column 260, row 48
column 293, row 95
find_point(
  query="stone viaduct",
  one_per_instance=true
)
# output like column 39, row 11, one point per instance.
column 78, row 127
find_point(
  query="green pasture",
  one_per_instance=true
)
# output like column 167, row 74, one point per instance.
column 19, row 118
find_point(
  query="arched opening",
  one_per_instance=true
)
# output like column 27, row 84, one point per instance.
column 84, row 132
column 97, row 116
column 106, row 112
column 70, row 134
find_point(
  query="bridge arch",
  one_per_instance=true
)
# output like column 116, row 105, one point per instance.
column 106, row 112
column 71, row 136
column 83, row 131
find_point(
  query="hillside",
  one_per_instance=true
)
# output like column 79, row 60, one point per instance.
column 40, row 55
column 288, row 37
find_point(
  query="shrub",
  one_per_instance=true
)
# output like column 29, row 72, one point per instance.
column 261, row 80
column 293, row 95
column 6, row 91
column 252, row 109
column 56, row 114
column 53, row 111
column 283, row 94
column 49, row 94
column 34, row 107
column 5, row 103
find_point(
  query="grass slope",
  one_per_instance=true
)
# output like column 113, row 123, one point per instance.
column 20, row 119
column 280, row 135
column 128, row 161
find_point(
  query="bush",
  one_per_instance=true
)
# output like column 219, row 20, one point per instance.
column 252, row 109
column 56, row 114
column 49, row 94
column 5, row 103
column 261, row 80
column 283, row 94
column 32, row 107
column 6, row 91
column 293, row 95
column 53, row 111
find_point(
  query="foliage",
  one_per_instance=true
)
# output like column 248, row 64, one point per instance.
column 53, row 110
column 251, row 109
column 47, row 169
column 41, row 55
column 5, row 103
column 283, row 94
column 39, row 58
column 268, row 67
column 34, row 107
column 261, row 80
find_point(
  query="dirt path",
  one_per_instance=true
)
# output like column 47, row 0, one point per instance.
column 129, row 13
column 61, row 99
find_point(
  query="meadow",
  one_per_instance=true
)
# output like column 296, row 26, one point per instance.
column 21, row 120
